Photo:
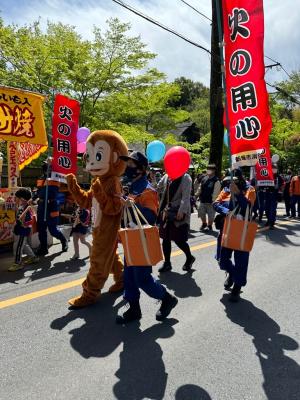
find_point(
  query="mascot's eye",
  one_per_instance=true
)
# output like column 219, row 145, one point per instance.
column 98, row 156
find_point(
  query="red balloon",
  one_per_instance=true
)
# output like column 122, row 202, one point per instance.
column 177, row 161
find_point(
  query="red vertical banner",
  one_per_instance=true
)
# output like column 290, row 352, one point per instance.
column 247, row 98
column 64, row 130
column 263, row 169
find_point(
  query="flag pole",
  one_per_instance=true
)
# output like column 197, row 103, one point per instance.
column 48, row 157
column 221, row 47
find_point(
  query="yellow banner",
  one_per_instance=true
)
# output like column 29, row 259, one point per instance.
column 21, row 116
column 7, row 222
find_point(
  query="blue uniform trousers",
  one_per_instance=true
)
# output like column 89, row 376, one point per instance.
column 51, row 224
column 136, row 278
column 238, row 270
column 271, row 207
column 295, row 199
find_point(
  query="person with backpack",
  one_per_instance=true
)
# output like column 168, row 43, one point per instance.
column 22, row 230
column 208, row 191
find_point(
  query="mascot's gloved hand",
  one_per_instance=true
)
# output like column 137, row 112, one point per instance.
column 72, row 183
column 99, row 192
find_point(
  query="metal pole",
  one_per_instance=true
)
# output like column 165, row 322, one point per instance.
column 48, row 164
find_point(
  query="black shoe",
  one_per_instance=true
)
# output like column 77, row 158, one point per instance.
column 188, row 264
column 228, row 282
column 132, row 314
column 41, row 252
column 167, row 304
column 292, row 216
column 272, row 227
column 166, row 267
column 203, row 227
column 65, row 247
column 209, row 228
column 267, row 224
column 235, row 294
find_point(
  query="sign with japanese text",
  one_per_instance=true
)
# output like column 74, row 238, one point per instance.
column 263, row 169
column 7, row 222
column 13, row 164
column 21, row 116
column 64, row 130
column 248, row 109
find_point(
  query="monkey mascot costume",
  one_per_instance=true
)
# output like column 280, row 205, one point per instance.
column 103, row 149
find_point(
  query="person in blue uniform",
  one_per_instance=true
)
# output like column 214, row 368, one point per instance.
column 272, row 194
column 241, row 194
column 52, row 215
column 140, row 277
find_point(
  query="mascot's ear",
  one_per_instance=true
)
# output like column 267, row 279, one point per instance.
column 115, row 157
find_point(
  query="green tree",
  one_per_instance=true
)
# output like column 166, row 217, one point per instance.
column 189, row 92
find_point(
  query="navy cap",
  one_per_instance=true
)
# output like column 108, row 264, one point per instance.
column 137, row 157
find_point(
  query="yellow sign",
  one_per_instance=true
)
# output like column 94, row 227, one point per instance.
column 7, row 222
column 21, row 116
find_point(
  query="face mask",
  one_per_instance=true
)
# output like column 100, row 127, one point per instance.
column 131, row 173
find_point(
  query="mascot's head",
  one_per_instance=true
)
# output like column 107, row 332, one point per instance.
column 103, row 151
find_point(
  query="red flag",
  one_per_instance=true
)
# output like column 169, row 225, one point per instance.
column 249, row 117
column 64, row 130
column 263, row 169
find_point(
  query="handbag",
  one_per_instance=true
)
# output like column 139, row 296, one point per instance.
column 141, row 243
column 239, row 234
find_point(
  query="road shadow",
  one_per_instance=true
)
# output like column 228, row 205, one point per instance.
column 281, row 373
column 191, row 392
column 43, row 269
column 281, row 235
column 194, row 234
column 48, row 268
column 142, row 371
column 183, row 285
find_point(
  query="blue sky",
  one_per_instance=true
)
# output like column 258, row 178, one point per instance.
column 174, row 56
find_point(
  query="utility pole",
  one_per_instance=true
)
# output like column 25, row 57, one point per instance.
column 216, row 103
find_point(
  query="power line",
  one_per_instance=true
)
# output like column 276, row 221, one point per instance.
column 149, row 19
column 197, row 11
column 277, row 63
column 284, row 93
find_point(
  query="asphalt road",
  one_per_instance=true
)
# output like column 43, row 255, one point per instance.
column 209, row 349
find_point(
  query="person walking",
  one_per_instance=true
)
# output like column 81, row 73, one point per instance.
column 286, row 193
column 48, row 189
column 208, row 191
column 22, row 230
column 80, row 230
column 174, row 218
column 272, row 194
column 240, row 194
column 295, row 195
column 145, row 197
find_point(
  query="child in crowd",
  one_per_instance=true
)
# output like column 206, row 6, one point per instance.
column 80, row 230
column 22, row 230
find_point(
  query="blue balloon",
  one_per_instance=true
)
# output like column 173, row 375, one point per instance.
column 155, row 151
column 226, row 138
